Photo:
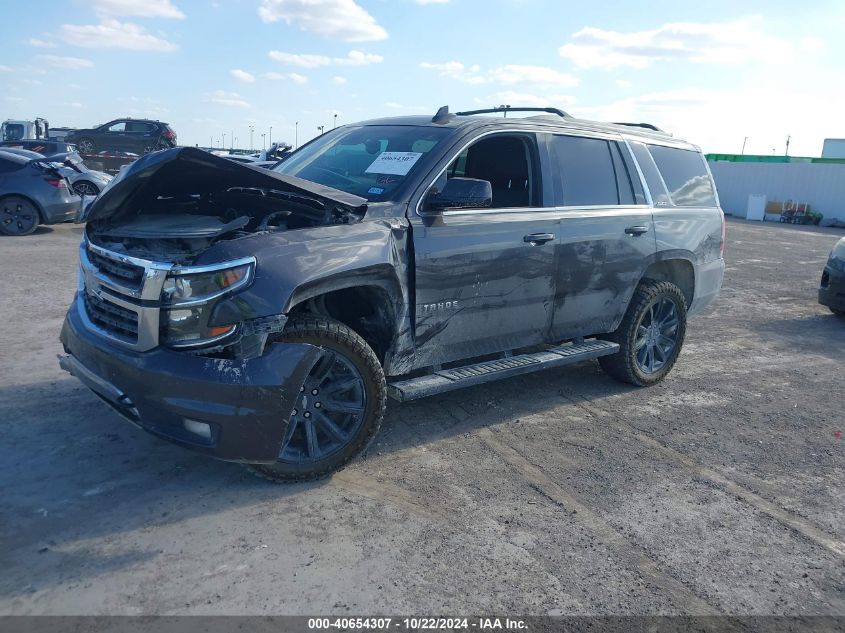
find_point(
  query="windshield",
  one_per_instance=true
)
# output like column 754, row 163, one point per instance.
column 371, row 161
column 13, row 131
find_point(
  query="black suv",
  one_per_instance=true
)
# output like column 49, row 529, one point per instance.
column 265, row 316
column 138, row 136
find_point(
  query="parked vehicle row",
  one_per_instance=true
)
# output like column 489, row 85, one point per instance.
column 83, row 181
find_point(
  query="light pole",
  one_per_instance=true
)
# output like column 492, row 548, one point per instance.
column 263, row 143
column 235, row 143
column 271, row 135
column 232, row 141
column 251, row 130
column 744, row 141
column 335, row 121
column 296, row 135
column 223, row 144
column 788, row 138
column 321, row 128
column 211, row 139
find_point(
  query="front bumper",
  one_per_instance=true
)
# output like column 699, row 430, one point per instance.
column 832, row 288
column 246, row 403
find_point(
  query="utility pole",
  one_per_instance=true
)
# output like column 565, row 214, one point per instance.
column 232, row 141
column 296, row 135
column 223, row 144
column 211, row 142
column 263, row 142
column 335, row 120
column 251, row 130
column 271, row 135
column 744, row 141
column 788, row 138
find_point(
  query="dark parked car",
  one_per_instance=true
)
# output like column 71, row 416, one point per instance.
column 47, row 148
column 832, row 289
column 139, row 136
column 33, row 192
column 265, row 316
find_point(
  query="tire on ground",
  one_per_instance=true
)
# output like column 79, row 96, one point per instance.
column 334, row 335
column 623, row 365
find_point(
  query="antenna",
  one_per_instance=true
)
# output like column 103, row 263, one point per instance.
column 442, row 115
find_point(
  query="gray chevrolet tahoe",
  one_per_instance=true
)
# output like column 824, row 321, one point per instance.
column 264, row 317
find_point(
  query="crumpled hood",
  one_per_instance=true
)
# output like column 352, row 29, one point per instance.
column 187, row 170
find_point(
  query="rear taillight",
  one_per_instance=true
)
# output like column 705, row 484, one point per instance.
column 724, row 233
column 57, row 182
column 169, row 134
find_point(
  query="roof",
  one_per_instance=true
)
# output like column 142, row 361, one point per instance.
column 543, row 121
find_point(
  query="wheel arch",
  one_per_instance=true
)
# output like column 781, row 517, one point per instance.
column 675, row 268
column 369, row 302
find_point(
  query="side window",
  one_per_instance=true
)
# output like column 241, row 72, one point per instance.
column 508, row 162
column 650, row 173
column 685, row 175
column 120, row 126
column 140, row 128
column 587, row 170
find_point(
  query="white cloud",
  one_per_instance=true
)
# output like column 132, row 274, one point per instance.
column 114, row 34
column 343, row 20
column 519, row 74
column 456, row 70
column 513, row 98
column 34, row 41
column 717, row 43
column 71, row 63
column 338, row 80
column 509, row 74
column 306, row 60
column 227, row 98
column 294, row 77
column 623, row 83
column 139, row 8
column 242, row 75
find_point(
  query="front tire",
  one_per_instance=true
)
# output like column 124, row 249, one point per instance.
column 650, row 336
column 342, row 405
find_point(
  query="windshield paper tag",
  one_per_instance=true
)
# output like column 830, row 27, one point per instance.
column 396, row 163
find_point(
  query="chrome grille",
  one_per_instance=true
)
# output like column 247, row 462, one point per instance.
column 123, row 271
column 112, row 317
column 120, row 296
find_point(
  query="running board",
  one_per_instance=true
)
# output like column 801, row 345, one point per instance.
column 459, row 377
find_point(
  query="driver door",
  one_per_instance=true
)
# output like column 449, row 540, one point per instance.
column 485, row 277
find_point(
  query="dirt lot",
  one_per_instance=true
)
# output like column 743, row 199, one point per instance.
column 718, row 491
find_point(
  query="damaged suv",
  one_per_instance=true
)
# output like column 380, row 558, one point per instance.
column 264, row 317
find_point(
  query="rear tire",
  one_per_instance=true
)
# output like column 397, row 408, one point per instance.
column 650, row 336
column 344, row 400
column 18, row 216
column 86, row 146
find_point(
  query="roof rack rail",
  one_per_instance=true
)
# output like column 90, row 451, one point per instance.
column 508, row 108
column 647, row 126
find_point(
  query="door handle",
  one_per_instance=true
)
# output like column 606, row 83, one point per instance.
column 537, row 239
column 636, row 230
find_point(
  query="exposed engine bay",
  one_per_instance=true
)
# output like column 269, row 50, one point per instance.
column 175, row 204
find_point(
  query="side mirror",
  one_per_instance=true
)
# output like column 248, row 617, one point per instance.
column 460, row 193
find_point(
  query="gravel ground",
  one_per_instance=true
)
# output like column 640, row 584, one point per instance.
column 718, row 491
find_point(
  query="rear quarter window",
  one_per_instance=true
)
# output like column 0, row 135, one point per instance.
column 685, row 176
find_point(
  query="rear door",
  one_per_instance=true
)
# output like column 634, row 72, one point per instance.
column 484, row 277
column 141, row 136
column 607, row 234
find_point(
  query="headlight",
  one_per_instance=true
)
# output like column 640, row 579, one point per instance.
column 188, row 297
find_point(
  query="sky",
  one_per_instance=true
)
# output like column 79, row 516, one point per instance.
column 718, row 73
